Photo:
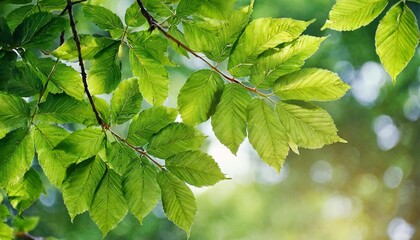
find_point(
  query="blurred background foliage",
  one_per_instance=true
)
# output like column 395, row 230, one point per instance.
column 366, row 189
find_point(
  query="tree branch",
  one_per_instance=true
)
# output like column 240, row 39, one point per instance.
column 82, row 65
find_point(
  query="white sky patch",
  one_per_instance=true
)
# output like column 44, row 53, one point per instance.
column 399, row 229
column 387, row 134
column 393, row 177
column 368, row 83
column 321, row 172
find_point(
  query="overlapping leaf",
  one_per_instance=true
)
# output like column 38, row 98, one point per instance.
column 15, row 113
column 126, row 101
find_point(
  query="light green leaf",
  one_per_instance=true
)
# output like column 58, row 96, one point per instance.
column 61, row 108
column 26, row 191
column 15, row 113
column 310, row 84
column 173, row 139
column 141, row 189
column 178, row 200
column 352, row 14
column 90, row 47
column 153, row 77
column 267, row 134
column 158, row 7
column 103, row 108
column 126, row 101
column 133, row 16
column 308, row 126
column 278, row 62
column 83, row 143
column 102, row 17
column 187, row 7
column 6, row 232
column 199, row 96
column 229, row 120
column 397, row 38
column 80, row 186
column 260, row 35
column 176, row 33
column 108, row 206
column 149, row 122
column 105, row 73
column 26, row 224
column 119, row 156
column 53, row 4
column 195, row 168
column 16, row 155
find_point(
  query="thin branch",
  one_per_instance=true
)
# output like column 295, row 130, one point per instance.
column 82, row 65
column 73, row 3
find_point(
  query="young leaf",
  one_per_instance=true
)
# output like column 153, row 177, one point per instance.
column 352, row 14
column 16, row 155
column 173, row 139
column 178, row 200
column 149, row 122
column 229, row 120
column 174, row 31
column 396, row 39
column 119, row 157
column 195, row 167
column 108, row 206
column 133, row 16
column 309, row 126
column 102, row 17
column 15, row 113
column 141, row 189
column 126, row 101
column 80, row 186
column 278, row 62
column 199, row 96
column 259, row 36
column 26, row 191
column 310, row 84
column 83, row 143
column 6, row 232
column 267, row 134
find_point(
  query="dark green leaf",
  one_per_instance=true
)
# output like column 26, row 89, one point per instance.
column 53, row 4
column 15, row 17
column 6, row 37
column 25, row 82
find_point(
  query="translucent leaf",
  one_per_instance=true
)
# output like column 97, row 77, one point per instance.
column 149, row 122
column 103, row 108
column 83, row 143
column 187, row 7
column 195, row 168
column 141, row 189
column 199, row 96
column 16, row 155
column 15, row 113
column 102, row 17
column 397, row 38
column 119, row 156
column 6, row 232
column 26, row 191
column 310, row 84
column 173, row 139
column 133, row 16
column 229, row 120
column 309, row 126
column 80, row 185
column 260, row 35
column 176, row 33
column 108, row 207
column 178, row 200
column 158, row 7
column 61, row 108
column 352, row 14
column 266, row 133
column 278, row 62
column 126, row 101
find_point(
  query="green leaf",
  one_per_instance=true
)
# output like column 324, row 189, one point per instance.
column 310, row 84
column 309, row 126
column 229, row 120
column 15, row 113
column 141, row 189
column 60, row 108
column 90, row 47
column 6, row 232
column 173, row 139
column 108, row 206
column 103, row 108
column 178, row 200
column 158, row 7
column 187, row 7
column 397, row 38
column 195, row 168
column 105, row 73
column 149, row 122
column 174, row 31
column 26, row 224
column 6, row 37
column 83, row 143
column 119, row 156
column 267, row 134
column 278, row 62
column 133, row 16
column 16, row 1
column 25, row 82
column 26, row 191
column 16, row 155
column 199, row 96
column 53, row 4
column 102, row 17
column 80, row 186
column 153, row 77
column 16, row 16
column 126, row 101
column 352, row 14
column 259, row 36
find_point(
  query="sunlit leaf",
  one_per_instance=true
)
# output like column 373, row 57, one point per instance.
column 119, row 157
column 15, row 113
column 102, row 17
column 133, row 16
column 126, row 101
